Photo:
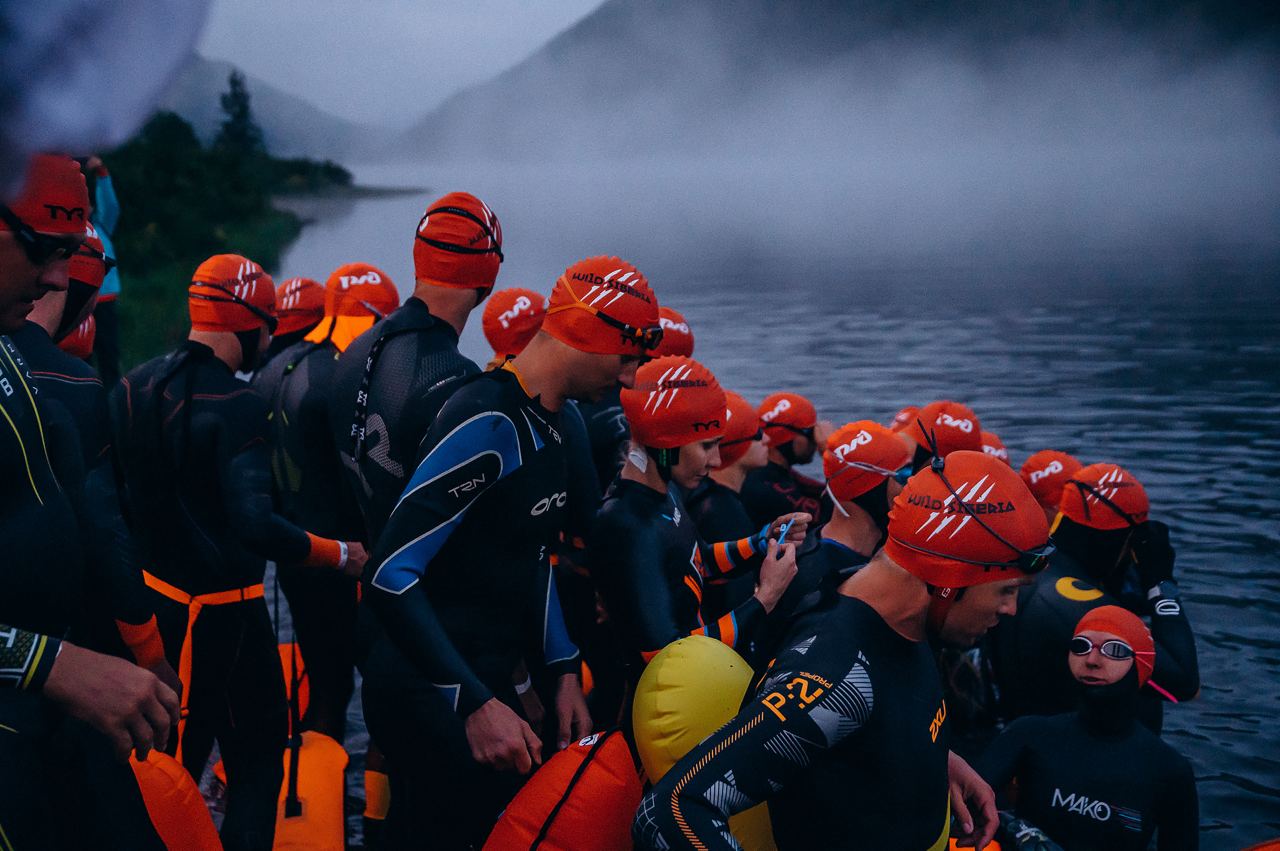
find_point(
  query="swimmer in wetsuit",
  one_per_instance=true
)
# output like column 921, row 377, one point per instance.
column 381, row 404
column 460, row 581
column 68, row 716
column 715, row 503
column 645, row 555
column 794, row 435
column 1109, row 552
column 311, row 489
column 1096, row 778
column 194, row 442
column 847, row 736
column 940, row 428
column 299, row 308
column 863, row 462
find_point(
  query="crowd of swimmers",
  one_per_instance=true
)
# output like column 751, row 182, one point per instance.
column 940, row 647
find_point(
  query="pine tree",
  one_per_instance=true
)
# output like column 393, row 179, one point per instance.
column 240, row 137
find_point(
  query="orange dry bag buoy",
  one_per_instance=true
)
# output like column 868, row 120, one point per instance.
column 582, row 799
column 174, row 804
column 310, row 815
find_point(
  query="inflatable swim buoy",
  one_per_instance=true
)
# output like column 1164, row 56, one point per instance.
column 583, row 799
column 687, row 692
column 174, row 804
column 320, row 824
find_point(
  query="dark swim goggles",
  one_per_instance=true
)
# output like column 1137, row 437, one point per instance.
column 495, row 248
column 751, row 438
column 271, row 321
column 40, row 248
column 87, row 250
column 646, row 338
column 1112, row 648
column 806, row 432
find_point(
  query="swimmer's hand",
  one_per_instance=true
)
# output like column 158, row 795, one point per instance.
column 776, row 572
column 128, row 704
column 973, row 803
column 796, row 524
column 571, row 711
column 501, row 739
column 357, row 556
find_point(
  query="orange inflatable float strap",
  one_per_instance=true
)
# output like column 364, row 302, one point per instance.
column 174, row 804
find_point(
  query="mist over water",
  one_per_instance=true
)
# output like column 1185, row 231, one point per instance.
column 1080, row 238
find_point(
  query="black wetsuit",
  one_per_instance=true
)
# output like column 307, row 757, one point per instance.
column 846, row 738
column 718, row 513
column 313, row 493
column 607, row 425
column 280, row 342
column 74, row 405
column 60, row 785
column 462, row 587
column 390, row 403
column 573, row 581
column 1096, row 779
column 1029, row 650
column 650, row 568
column 774, row 490
column 194, row 441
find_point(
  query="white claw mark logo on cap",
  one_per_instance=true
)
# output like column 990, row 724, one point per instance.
column 954, row 513
column 1115, row 477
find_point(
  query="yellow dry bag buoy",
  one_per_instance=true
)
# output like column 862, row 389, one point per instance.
column 687, row 692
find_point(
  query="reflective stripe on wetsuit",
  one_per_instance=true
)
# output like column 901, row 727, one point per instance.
column 846, row 739
column 463, row 563
column 650, row 566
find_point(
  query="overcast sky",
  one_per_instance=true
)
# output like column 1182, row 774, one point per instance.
column 381, row 61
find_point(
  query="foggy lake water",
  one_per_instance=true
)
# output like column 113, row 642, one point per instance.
column 1108, row 330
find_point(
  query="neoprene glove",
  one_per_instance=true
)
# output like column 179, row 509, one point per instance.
column 1154, row 554
column 1023, row 835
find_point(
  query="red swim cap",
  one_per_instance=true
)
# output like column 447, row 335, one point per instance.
column 936, row 539
column 88, row 265
column 785, row 415
column 951, row 425
column 79, row 343
column 1105, row 496
column 458, row 243
column 511, row 319
column 904, row 418
column 299, row 304
column 54, row 198
column 355, row 296
column 994, row 446
column 860, row 456
column 603, row 305
column 1046, row 472
column 675, row 401
column 1130, row 629
column 677, row 339
column 230, row 293
column 741, row 428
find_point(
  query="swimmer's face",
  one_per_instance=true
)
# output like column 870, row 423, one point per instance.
column 22, row 283
column 695, row 462
column 595, row 375
column 979, row 609
column 757, row 455
column 1095, row 669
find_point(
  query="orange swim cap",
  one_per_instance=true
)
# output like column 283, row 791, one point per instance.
column 994, row 446
column 859, row 456
column 742, row 427
column 1045, row 472
column 1104, row 496
column 53, row 198
column 947, row 426
column 973, row 521
column 785, row 415
column 458, row 243
column 904, row 418
column 604, row 305
column 88, row 265
column 79, row 343
column 231, row 293
column 1129, row 628
column 299, row 304
column 675, row 401
column 677, row 339
column 511, row 319
column 356, row 295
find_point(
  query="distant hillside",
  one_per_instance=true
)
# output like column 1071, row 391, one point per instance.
column 291, row 126
column 636, row 74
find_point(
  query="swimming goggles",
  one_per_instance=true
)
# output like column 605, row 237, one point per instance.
column 40, row 248
column 1112, row 648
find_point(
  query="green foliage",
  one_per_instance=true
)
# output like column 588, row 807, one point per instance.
column 181, row 203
